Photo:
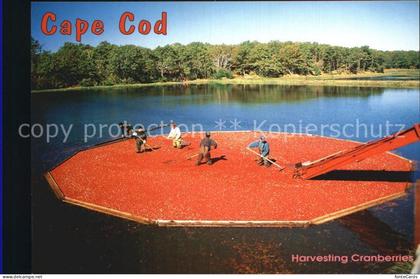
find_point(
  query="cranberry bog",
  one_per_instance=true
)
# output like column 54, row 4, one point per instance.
column 164, row 187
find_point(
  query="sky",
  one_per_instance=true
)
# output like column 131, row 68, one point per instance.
column 384, row 25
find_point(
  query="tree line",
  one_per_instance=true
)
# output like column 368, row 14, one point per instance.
column 109, row 64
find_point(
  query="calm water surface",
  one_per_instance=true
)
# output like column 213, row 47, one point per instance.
column 69, row 239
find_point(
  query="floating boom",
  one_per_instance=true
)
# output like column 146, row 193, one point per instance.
column 312, row 169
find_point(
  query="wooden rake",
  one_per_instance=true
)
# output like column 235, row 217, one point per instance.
column 272, row 162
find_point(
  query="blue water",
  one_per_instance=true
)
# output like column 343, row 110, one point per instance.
column 99, row 243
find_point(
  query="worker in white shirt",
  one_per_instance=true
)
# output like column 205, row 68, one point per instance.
column 175, row 135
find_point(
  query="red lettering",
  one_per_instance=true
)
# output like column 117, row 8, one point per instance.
column 144, row 27
column 123, row 19
column 44, row 23
column 97, row 27
column 81, row 28
column 65, row 27
column 161, row 25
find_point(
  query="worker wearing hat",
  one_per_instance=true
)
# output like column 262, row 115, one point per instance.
column 141, row 139
column 175, row 135
column 205, row 146
column 264, row 150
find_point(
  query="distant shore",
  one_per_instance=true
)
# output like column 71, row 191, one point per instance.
column 348, row 80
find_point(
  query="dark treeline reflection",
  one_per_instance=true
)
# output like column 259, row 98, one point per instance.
column 263, row 94
column 215, row 93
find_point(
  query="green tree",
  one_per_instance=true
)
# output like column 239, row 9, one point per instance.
column 78, row 64
column 131, row 64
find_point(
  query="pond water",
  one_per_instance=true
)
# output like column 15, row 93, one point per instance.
column 69, row 239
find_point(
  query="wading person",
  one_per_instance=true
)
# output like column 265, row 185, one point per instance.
column 205, row 146
column 141, row 139
column 264, row 151
column 175, row 136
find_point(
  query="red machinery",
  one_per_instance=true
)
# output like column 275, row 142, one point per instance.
column 312, row 169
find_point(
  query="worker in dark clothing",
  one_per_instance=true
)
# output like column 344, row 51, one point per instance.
column 141, row 139
column 126, row 129
column 264, row 150
column 205, row 146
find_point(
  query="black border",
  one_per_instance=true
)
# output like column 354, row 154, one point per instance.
column 16, row 150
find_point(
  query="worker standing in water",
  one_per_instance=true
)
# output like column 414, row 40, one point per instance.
column 205, row 146
column 141, row 139
column 175, row 135
column 264, row 151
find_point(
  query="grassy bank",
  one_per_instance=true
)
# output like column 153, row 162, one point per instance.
column 321, row 80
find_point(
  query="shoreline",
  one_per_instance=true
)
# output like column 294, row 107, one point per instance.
column 342, row 80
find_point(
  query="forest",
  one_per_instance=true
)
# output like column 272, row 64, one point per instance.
column 109, row 64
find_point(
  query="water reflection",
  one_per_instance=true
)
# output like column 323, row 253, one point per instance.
column 215, row 93
column 367, row 226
